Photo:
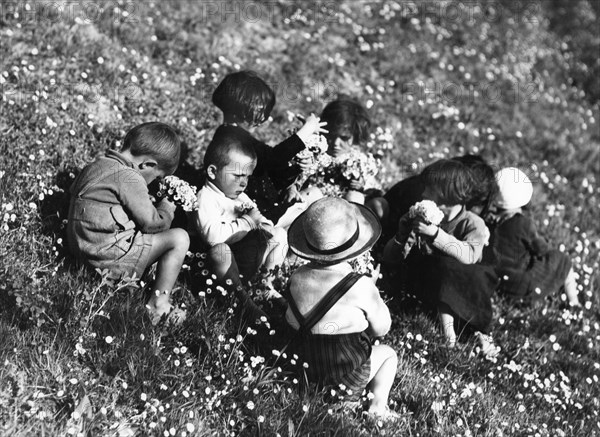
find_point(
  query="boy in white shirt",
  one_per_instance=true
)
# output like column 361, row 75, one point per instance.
column 241, row 239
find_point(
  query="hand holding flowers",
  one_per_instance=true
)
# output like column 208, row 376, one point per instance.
column 179, row 192
column 424, row 217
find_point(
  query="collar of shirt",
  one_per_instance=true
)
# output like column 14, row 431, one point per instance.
column 113, row 154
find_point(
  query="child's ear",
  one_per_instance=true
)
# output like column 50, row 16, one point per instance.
column 211, row 172
column 148, row 164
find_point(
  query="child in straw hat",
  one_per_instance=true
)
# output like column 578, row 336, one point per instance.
column 528, row 268
column 335, row 312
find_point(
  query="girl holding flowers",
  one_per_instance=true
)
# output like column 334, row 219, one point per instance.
column 436, row 253
column 351, row 170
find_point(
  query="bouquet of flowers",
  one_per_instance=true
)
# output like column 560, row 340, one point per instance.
column 363, row 264
column 316, row 150
column 179, row 192
column 358, row 166
column 245, row 207
column 430, row 213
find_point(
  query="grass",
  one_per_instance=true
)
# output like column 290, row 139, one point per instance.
column 512, row 81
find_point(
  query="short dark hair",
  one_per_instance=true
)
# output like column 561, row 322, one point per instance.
column 222, row 144
column 346, row 111
column 244, row 97
column 155, row 139
column 452, row 180
column 485, row 187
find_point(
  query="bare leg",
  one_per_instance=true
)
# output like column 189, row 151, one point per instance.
column 571, row 289
column 225, row 267
column 169, row 248
column 447, row 322
column 384, row 362
column 223, row 264
column 277, row 248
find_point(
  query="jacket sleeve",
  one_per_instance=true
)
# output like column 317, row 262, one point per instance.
column 469, row 248
column 135, row 199
column 277, row 158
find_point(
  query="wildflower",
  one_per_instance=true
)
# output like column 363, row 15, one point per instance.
column 250, row 405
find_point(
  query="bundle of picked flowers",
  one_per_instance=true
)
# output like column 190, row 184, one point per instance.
column 316, row 150
column 245, row 207
column 179, row 192
column 358, row 166
column 363, row 264
column 429, row 212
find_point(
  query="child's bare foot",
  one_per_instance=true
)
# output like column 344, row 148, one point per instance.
column 383, row 414
column 171, row 315
column 487, row 346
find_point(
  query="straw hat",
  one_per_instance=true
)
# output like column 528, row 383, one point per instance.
column 333, row 230
column 515, row 188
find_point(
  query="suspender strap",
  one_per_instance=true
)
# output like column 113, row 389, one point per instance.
column 325, row 304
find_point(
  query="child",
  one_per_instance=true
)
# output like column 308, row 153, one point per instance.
column 246, row 101
column 348, row 124
column 114, row 225
column 526, row 265
column 400, row 197
column 240, row 238
column 332, row 311
column 442, row 268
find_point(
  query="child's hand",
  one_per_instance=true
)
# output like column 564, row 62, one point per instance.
column 292, row 195
column 304, row 162
column 357, row 184
column 166, row 203
column 311, row 126
column 255, row 215
column 423, row 228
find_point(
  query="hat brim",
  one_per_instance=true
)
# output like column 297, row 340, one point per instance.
column 368, row 234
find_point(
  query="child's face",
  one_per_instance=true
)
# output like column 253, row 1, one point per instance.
column 340, row 140
column 232, row 179
column 434, row 195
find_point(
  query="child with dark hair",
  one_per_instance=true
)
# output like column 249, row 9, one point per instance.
column 527, row 266
column 246, row 101
column 349, row 125
column 114, row 225
column 240, row 239
column 401, row 196
column 443, row 265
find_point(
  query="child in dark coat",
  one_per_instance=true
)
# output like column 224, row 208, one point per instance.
column 246, row 101
column 527, row 266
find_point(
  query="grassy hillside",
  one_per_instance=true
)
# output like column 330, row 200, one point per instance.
column 514, row 81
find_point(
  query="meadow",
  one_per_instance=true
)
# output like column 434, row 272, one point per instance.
column 516, row 82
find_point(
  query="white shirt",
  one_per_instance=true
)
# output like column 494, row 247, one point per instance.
column 217, row 219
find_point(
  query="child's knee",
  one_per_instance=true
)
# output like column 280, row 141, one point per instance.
column 390, row 352
column 279, row 235
column 180, row 239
